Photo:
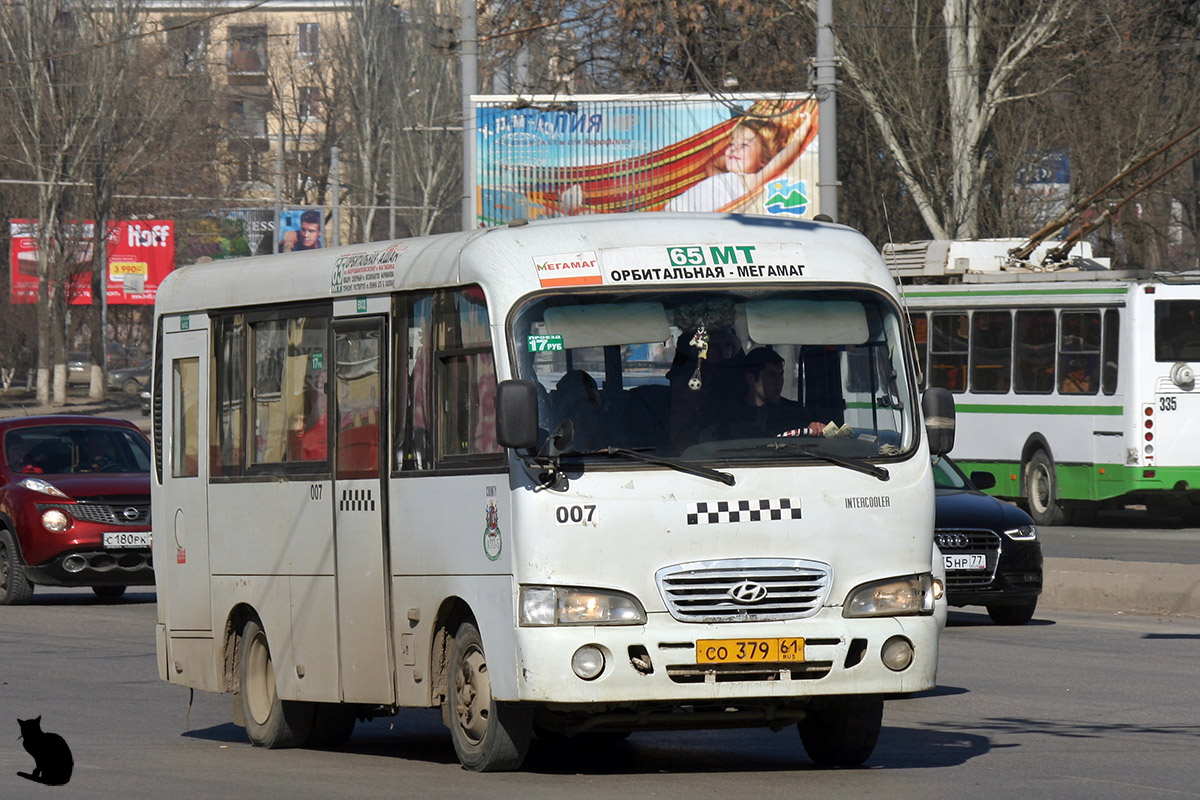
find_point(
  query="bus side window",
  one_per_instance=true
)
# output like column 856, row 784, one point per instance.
column 229, row 410
column 414, row 358
column 920, row 330
column 185, row 422
column 289, row 409
column 1112, row 341
column 948, row 352
column 1078, row 352
column 466, row 385
column 991, row 351
column 1033, row 359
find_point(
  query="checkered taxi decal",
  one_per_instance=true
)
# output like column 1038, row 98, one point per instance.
column 743, row 511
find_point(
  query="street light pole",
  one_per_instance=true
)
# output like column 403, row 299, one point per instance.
column 469, row 46
column 825, row 84
column 285, row 83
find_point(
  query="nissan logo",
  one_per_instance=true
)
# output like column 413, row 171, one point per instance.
column 131, row 513
column 953, row 540
column 747, row 593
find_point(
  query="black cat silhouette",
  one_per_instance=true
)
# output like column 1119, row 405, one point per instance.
column 52, row 758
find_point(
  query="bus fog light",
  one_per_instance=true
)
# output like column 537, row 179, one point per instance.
column 588, row 662
column 55, row 520
column 939, row 588
column 897, row 654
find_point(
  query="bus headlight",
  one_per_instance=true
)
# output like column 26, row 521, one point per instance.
column 568, row 605
column 893, row 597
column 1022, row 533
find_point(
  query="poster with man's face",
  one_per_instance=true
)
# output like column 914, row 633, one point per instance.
column 301, row 228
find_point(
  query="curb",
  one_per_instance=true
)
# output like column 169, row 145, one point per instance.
column 1132, row 587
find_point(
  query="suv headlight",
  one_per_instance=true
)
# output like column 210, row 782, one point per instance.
column 1022, row 533
column 568, row 605
column 55, row 520
column 39, row 485
column 893, row 597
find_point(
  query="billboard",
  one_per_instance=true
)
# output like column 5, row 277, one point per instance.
column 140, row 254
column 300, row 228
column 597, row 154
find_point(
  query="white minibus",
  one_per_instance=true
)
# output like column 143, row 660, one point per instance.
column 571, row 478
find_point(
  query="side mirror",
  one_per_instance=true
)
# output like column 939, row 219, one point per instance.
column 938, row 407
column 516, row 414
column 983, row 480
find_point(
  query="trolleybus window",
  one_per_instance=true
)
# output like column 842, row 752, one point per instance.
column 991, row 351
column 1078, row 352
column 1177, row 330
column 948, row 352
column 1034, row 357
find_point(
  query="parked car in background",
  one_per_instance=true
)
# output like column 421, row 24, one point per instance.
column 79, row 363
column 130, row 380
column 74, row 505
column 990, row 548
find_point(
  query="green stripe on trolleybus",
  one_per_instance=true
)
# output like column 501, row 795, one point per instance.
column 1005, row 408
column 1089, row 481
column 1017, row 292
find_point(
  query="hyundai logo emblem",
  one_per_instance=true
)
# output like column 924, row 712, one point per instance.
column 131, row 513
column 747, row 593
column 953, row 540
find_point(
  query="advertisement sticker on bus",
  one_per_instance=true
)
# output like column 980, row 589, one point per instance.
column 568, row 269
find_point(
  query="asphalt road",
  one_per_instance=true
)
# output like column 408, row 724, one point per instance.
column 1070, row 706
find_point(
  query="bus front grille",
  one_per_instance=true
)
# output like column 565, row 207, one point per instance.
column 744, row 590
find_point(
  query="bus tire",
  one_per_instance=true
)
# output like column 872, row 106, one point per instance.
column 841, row 731
column 333, row 724
column 488, row 736
column 1041, row 490
column 270, row 722
column 15, row 588
column 1013, row 614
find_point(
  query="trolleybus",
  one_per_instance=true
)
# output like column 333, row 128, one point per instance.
column 1075, row 387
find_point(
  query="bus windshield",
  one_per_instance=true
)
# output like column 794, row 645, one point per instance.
column 719, row 376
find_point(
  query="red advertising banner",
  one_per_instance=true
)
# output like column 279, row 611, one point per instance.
column 140, row 254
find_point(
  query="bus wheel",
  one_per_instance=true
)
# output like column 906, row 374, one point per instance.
column 1041, row 488
column 488, row 736
column 1017, row 614
column 270, row 722
column 15, row 589
column 841, row 731
column 333, row 723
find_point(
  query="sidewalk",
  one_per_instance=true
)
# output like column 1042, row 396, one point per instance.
column 1129, row 587
column 23, row 403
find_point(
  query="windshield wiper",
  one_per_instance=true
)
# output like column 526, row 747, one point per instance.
column 806, row 451
column 634, row 455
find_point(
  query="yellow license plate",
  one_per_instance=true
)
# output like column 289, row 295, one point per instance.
column 748, row 651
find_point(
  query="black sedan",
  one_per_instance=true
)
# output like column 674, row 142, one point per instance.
column 990, row 548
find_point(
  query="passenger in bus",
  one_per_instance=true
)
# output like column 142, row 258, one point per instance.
column 1077, row 380
column 577, row 398
column 763, row 410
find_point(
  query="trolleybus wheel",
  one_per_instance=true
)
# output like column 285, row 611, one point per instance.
column 270, row 722
column 841, row 731
column 488, row 736
column 15, row 588
column 1041, row 489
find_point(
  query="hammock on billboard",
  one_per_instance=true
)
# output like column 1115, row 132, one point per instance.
column 650, row 181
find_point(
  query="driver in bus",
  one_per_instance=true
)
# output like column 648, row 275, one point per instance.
column 764, row 411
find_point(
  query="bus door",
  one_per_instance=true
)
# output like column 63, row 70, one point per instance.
column 183, row 563
column 360, row 533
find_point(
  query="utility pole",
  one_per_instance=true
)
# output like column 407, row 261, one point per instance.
column 825, row 84
column 469, row 47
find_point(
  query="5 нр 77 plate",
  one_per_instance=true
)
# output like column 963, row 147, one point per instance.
column 966, row 561
column 748, row 651
column 121, row 540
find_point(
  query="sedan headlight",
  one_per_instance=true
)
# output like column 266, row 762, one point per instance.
column 39, row 485
column 893, row 597
column 1022, row 533
column 567, row 605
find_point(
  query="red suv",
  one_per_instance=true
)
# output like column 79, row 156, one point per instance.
column 74, row 505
